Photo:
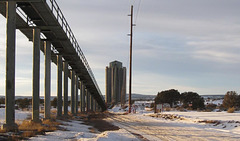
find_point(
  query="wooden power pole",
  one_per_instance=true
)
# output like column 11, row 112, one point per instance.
column 130, row 67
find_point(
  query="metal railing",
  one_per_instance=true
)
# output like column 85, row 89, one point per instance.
column 56, row 11
column 66, row 28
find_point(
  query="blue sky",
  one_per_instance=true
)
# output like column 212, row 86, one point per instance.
column 186, row 45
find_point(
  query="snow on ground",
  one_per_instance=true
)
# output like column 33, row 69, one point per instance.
column 19, row 115
column 217, row 102
column 219, row 121
column 76, row 130
column 162, row 129
column 227, row 122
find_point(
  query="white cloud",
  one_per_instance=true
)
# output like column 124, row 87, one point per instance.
column 187, row 45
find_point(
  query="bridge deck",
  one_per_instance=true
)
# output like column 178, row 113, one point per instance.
column 48, row 17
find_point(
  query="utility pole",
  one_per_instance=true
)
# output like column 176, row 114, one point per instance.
column 130, row 69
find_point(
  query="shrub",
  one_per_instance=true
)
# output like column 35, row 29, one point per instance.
column 2, row 100
column 169, row 96
column 54, row 102
column 167, row 109
column 211, row 106
column 193, row 100
column 180, row 109
column 231, row 110
column 23, row 103
column 152, row 105
column 230, row 99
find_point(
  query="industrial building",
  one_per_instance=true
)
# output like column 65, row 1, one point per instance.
column 115, row 83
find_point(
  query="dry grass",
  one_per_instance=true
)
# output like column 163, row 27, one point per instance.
column 31, row 129
column 180, row 109
column 2, row 130
column 51, row 125
column 215, row 122
column 207, row 110
column 29, row 117
column 28, row 134
column 167, row 109
column 30, row 126
column 231, row 110
column 53, row 111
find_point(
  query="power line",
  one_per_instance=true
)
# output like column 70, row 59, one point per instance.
column 133, row 2
column 139, row 5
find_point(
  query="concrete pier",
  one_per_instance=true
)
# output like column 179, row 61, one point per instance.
column 80, row 100
column 59, row 85
column 47, row 79
column 108, row 86
column 65, row 88
column 97, row 110
column 91, row 102
column 10, row 66
column 83, row 97
column 76, row 94
column 36, row 75
column 94, row 105
column 88, row 100
column 39, row 25
column 72, row 92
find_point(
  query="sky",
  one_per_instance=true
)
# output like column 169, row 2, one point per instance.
column 185, row 45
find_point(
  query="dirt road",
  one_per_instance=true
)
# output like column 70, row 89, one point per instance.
column 147, row 128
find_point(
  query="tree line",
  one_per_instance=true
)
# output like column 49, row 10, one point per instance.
column 188, row 99
column 23, row 103
column 194, row 101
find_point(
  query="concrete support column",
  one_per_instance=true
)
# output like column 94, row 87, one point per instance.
column 59, row 85
column 36, row 75
column 10, row 66
column 80, row 100
column 76, row 94
column 72, row 91
column 97, row 107
column 94, row 104
column 108, row 86
column 88, row 100
column 91, row 102
column 65, row 88
column 47, row 87
column 83, row 100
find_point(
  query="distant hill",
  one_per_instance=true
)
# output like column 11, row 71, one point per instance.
column 29, row 97
column 141, row 97
column 213, row 96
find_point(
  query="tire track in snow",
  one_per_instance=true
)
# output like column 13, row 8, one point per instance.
column 157, row 130
column 145, row 133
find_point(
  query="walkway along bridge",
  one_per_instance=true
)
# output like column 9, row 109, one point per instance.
column 43, row 23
